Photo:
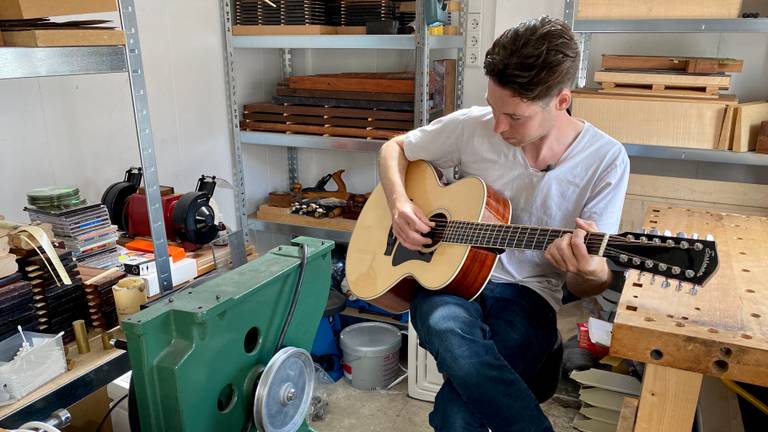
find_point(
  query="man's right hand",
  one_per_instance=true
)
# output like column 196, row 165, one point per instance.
column 409, row 224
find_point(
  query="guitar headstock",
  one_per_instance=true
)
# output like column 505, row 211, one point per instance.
column 692, row 260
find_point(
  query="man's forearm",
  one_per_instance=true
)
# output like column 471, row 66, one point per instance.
column 392, row 167
column 585, row 287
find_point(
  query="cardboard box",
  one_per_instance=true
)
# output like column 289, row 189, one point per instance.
column 657, row 9
column 64, row 37
column 669, row 122
column 26, row 9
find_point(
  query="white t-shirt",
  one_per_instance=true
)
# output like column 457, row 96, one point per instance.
column 589, row 182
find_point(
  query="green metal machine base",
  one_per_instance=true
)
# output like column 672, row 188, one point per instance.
column 197, row 356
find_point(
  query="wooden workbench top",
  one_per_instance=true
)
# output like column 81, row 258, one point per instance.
column 722, row 331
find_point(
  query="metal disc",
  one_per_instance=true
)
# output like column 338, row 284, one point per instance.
column 284, row 392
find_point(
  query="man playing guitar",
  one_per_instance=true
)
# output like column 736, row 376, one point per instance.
column 556, row 171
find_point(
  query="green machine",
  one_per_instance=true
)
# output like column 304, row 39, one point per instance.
column 211, row 358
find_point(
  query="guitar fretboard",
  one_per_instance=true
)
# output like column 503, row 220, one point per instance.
column 499, row 236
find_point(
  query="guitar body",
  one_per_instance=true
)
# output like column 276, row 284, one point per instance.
column 385, row 273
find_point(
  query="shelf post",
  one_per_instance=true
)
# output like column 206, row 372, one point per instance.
column 140, row 104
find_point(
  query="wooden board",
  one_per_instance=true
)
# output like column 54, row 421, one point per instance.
column 63, row 37
column 320, row 130
column 669, row 398
column 284, row 90
column 26, row 9
column 344, row 103
column 630, row 9
column 401, row 83
column 283, row 215
column 726, row 132
column 330, row 121
column 607, row 380
column 719, row 332
column 659, row 91
column 687, row 64
column 602, row 398
column 762, row 139
column 209, row 256
column 747, row 125
column 669, row 79
column 627, row 415
column 719, row 407
column 262, row 30
column 654, row 121
column 328, row 111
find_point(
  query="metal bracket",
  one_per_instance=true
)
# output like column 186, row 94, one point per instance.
column 460, row 60
column 585, row 43
column 140, row 104
column 421, row 97
column 286, row 61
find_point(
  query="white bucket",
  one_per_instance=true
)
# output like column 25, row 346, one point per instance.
column 371, row 355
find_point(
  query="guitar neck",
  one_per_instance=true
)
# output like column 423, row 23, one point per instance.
column 500, row 236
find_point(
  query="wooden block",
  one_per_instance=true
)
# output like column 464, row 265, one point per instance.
column 322, row 130
column 262, row 30
column 749, row 116
column 5, row 246
column 331, row 112
column 64, row 37
column 330, row 121
column 660, row 9
column 284, row 90
column 26, row 9
column 762, row 138
column 627, row 416
column 668, row 401
column 726, row 132
column 719, row 407
column 659, row 91
column 350, row 30
column 381, row 83
column 344, row 103
column 664, row 79
column 8, row 265
column 449, row 86
column 687, row 64
column 653, row 121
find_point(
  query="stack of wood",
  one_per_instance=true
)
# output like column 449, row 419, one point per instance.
column 670, row 101
column 15, row 305
column 27, row 23
column 609, row 400
column 102, row 313
column 56, row 304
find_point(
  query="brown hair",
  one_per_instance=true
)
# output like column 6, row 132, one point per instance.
column 535, row 59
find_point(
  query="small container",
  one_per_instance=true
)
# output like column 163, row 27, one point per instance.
column 371, row 355
column 23, row 373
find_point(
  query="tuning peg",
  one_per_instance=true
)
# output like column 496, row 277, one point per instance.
column 709, row 237
column 667, row 233
column 636, row 261
column 681, row 234
column 648, row 264
column 694, row 290
column 675, row 270
column 679, row 286
column 643, row 231
column 695, row 236
column 683, row 244
column 662, row 267
column 623, row 258
column 665, row 283
column 690, row 273
column 698, row 246
column 654, row 232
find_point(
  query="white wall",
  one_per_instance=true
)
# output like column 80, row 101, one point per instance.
column 79, row 130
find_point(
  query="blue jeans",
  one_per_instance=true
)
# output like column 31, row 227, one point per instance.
column 487, row 350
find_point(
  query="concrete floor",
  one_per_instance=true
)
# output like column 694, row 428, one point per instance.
column 385, row 411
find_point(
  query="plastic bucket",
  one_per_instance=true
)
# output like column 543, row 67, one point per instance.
column 371, row 355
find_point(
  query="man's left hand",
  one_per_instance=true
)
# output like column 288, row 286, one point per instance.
column 569, row 254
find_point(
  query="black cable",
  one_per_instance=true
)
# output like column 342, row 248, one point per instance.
column 295, row 298
column 109, row 411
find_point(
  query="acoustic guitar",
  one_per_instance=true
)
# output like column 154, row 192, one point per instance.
column 472, row 229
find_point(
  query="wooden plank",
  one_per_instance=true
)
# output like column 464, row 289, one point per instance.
column 321, row 130
column 719, row 408
column 719, row 332
column 610, row 88
column 723, row 99
column 653, row 121
column 601, row 414
column 668, row 401
column 662, row 9
column 607, row 380
column 627, row 416
column 726, row 132
column 762, row 138
column 352, row 83
column 344, row 103
column 602, row 398
column 669, row 79
column 330, row 121
column 63, row 37
column 688, row 64
column 261, row 30
column 26, row 9
column 284, row 90
column 749, row 116
column 329, row 111
column 284, row 215
column 449, row 86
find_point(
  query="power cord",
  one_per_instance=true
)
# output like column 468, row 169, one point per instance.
column 109, row 411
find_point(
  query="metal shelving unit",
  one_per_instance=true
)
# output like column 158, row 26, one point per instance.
column 585, row 29
column 17, row 63
column 421, row 43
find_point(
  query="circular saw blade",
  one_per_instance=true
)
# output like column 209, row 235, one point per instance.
column 284, row 392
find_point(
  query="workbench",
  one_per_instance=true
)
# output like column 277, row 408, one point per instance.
column 721, row 332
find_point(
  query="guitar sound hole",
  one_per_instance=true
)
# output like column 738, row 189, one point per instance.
column 438, row 232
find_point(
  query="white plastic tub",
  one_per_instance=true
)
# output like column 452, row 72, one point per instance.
column 22, row 374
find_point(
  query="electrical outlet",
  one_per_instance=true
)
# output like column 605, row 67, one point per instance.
column 475, row 22
column 472, row 57
column 474, row 40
